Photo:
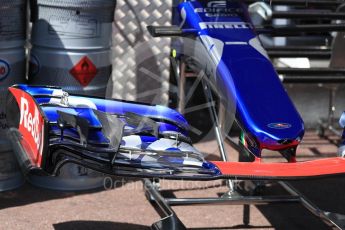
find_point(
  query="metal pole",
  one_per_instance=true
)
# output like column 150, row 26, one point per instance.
column 170, row 221
column 238, row 200
column 318, row 54
column 299, row 48
column 181, row 87
column 322, row 3
column 326, row 217
column 311, row 71
column 331, row 109
column 302, row 14
column 304, row 79
column 299, row 29
column 218, row 133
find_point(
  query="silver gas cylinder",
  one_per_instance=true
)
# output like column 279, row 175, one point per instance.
column 71, row 48
column 71, row 44
column 13, row 16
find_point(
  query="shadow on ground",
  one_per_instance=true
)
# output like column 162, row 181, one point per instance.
column 104, row 225
column 29, row 194
column 293, row 216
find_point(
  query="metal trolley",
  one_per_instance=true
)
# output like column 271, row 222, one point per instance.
column 170, row 220
column 152, row 188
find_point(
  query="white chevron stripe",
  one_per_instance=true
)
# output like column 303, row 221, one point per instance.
column 133, row 141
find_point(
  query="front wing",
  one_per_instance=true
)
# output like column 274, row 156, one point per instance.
column 50, row 128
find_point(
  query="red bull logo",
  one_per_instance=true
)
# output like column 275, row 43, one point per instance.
column 30, row 120
column 31, row 125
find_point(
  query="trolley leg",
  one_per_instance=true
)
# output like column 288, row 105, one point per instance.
column 328, row 124
column 170, row 221
column 331, row 108
column 246, row 214
column 219, row 136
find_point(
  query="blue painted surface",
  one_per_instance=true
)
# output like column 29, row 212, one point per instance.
column 110, row 106
column 244, row 74
column 168, row 120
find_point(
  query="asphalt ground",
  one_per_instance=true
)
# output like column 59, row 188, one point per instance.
column 126, row 207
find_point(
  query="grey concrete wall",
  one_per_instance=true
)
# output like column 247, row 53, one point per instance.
column 312, row 101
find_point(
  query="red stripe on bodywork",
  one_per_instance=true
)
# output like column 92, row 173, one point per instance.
column 314, row 168
column 31, row 126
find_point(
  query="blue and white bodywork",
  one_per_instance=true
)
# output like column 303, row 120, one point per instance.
column 236, row 63
column 50, row 128
column 110, row 136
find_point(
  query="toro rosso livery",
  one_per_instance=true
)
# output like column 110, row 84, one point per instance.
column 239, row 67
column 113, row 137
column 51, row 128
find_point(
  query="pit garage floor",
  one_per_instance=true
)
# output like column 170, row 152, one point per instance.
column 125, row 207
